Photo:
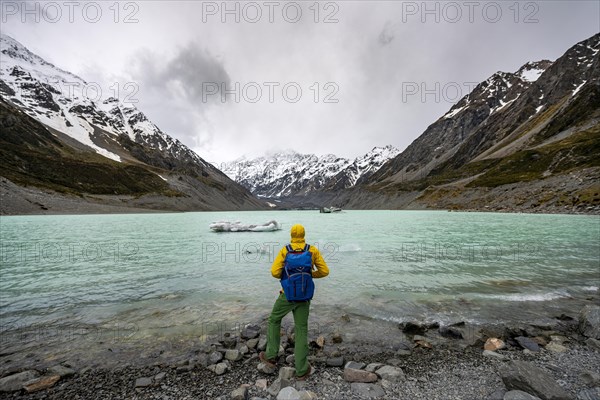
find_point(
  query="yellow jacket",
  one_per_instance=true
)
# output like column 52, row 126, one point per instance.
column 320, row 269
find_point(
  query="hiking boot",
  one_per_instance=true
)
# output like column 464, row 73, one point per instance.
column 263, row 357
column 306, row 374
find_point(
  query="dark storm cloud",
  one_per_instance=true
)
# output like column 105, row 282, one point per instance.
column 387, row 34
column 193, row 73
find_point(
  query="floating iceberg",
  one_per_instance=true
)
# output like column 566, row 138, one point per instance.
column 226, row 226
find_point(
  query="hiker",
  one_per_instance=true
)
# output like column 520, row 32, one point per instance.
column 303, row 262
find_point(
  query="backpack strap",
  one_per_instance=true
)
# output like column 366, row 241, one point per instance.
column 306, row 247
column 289, row 248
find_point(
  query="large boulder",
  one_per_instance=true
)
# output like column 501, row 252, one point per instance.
column 367, row 390
column 525, row 376
column 589, row 321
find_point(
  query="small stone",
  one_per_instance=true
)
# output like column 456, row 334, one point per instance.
column 287, row 373
column 413, row 328
column 373, row 366
column 288, row 393
column 277, row 385
column 336, row 338
column 308, row 395
column 219, row 368
column 229, row 342
column 593, row 343
column 143, row 382
column 555, row 347
column 354, row 365
column 15, row 382
column 416, row 338
column 392, row 374
column 240, row 393
column 393, row 361
column 403, row 353
column 290, row 359
column 250, row 332
column 61, row 371
column 591, row 378
column 493, row 354
column 215, row 357
column 497, row 395
column 42, row 383
column 321, row 341
column 262, row 344
column 335, row 361
column 527, row 343
column 252, row 343
column 367, row 390
column 358, row 375
column 519, row 395
column 244, row 349
column 423, row 344
column 540, row 341
column 450, row 332
column 266, row 369
column 493, row 344
column 160, row 376
column 261, row 384
column 233, row 355
column 589, row 321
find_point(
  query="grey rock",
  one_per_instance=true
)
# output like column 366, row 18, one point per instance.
column 354, row 365
column 266, row 369
column 450, row 332
column 215, row 357
column 240, row 393
column 287, row 373
column 277, row 385
column 229, row 342
column 527, row 343
column 589, row 394
column 244, row 349
column 593, row 343
column 591, row 378
column 308, row 395
column 219, row 368
column 143, row 382
column 250, row 332
column 497, row 395
column 288, row 393
column 525, row 376
column 262, row 344
column 392, row 374
column 252, row 343
column 233, row 355
column 62, row 371
column 160, row 376
column 367, row 390
column 403, row 352
column 16, row 382
column 493, row 354
column 589, row 322
column 291, row 359
column 519, row 395
column 359, row 375
column 413, row 328
column 555, row 347
column 373, row 366
column 203, row 360
column 335, row 361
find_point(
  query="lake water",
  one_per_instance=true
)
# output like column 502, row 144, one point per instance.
column 168, row 275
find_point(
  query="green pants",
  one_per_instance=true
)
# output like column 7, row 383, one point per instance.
column 282, row 308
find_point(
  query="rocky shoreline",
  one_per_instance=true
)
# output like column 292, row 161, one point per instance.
column 550, row 361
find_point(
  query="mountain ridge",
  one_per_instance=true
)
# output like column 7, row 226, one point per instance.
column 119, row 133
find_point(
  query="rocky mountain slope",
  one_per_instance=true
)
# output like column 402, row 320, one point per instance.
column 528, row 140
column 290, row 174
column 58, row 136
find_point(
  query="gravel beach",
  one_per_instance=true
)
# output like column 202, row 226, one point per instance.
column 560, row 360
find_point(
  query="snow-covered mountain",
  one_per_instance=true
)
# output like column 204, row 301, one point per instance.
column 75, row 113
column 289, row 173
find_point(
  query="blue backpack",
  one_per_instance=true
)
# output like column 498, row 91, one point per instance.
column 296, row 278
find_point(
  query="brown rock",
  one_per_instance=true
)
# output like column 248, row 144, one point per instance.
column 321, row 341
column 42, row 383
column 493, row 344
column 359, row 375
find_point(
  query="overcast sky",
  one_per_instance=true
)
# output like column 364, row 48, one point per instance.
column 333, row 77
